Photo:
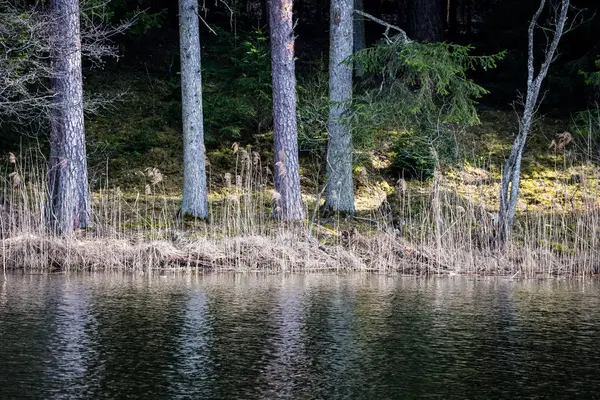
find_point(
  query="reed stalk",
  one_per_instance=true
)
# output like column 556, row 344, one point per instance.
column 429, row 229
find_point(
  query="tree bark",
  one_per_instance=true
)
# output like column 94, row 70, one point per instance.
column 287, row 199
column 426, row 21
column 68, row 191
column 452, row 17
column 511, row 175
column 340, row 190
column 195, row 198
column 360, row 41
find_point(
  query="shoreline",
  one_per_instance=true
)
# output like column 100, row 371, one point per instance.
column 289, row 251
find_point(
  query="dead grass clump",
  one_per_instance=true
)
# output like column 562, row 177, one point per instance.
column 256, row 253
column 435, row 228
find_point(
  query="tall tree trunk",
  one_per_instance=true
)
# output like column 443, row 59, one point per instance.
column 401, row 7
column 452, row 18
column 68, row 191
column 445, row 19
column 340, row 190
column 426, row 22
column 360, row 41
column 195, row 199
column 288, row 200
column 511, row 175
column 469, row 26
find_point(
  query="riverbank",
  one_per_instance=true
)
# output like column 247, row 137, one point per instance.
column 422, row 229
column 287, row 249
column 445, row 225
column 418, row 232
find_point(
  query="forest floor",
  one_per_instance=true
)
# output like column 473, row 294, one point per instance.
column 144, row 133
column 403, row 226
column 443, row 225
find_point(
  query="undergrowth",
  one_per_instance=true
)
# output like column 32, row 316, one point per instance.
column 431, row 227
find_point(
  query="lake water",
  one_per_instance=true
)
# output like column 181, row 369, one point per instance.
column 225, row 336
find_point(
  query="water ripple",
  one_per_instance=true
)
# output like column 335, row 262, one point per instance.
column 296, row 337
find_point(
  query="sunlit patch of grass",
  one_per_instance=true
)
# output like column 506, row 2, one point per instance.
column 369, row 198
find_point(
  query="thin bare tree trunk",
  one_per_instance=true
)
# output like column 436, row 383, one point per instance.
column 195, row 198
column 68, row 192
column 509, row 188
column 288, row 200
column 340, row 189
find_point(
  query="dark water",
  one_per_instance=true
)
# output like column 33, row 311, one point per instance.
column 297, row 337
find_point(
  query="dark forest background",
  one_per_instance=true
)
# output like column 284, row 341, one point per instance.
column 143, row 127
column 489, row 25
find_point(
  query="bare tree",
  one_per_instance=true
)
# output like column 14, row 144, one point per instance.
column 195, row 197
column 287, row 196
column 509, row 188
column 68, row 193
column 24, row 62
column 340, row 188
column 41, row 81
column 26, row 43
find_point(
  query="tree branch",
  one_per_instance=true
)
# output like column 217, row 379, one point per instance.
column 530, row 59
column 558, row 33
column 403, row 36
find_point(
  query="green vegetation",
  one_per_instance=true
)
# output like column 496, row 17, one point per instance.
column 555, row 233
column 422, row 92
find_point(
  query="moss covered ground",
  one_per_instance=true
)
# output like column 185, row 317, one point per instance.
column 143, row 130
column 141, row 134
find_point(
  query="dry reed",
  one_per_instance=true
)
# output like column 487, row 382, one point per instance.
column 432, row 231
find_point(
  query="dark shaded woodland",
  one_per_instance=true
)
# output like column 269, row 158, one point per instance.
column 489, row 25
column 235, row 60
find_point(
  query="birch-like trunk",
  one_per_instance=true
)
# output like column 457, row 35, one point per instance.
column 287, row 199
column 195, row 197
column 360, row 41
column 68, row 193
column 340, row 188
column 511, row 175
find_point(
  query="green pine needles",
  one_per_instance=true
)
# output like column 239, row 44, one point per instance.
column 432, row 77
column 420, row 90
column 593, row 78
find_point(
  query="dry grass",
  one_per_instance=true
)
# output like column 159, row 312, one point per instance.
column 433, row 228
column 250, row 253
column 138, row 231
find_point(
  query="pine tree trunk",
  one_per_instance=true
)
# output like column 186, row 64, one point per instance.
column 288, row 200
column 426, row 22
column 195, row 199
column 340, row 190
column 68, row 192
column 360, row 41
column 452, row 16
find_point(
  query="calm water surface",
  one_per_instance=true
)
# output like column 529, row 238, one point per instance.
column 297, row 337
